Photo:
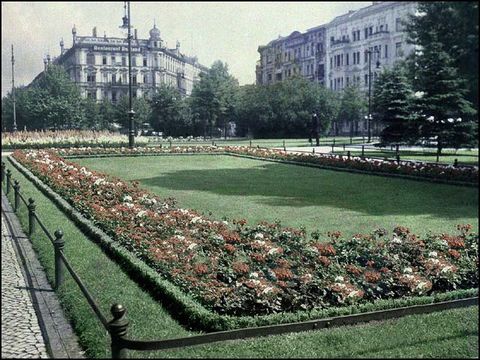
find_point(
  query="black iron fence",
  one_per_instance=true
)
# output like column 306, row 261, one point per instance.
column 118, row 326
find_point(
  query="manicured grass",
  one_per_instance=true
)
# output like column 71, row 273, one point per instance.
column 467, row 157
column 298, row 196
column 446, row 334
column 269, row 143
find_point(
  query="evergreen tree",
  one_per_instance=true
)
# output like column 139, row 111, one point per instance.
column 445, row 113
column 454, row 24
column 393, row 106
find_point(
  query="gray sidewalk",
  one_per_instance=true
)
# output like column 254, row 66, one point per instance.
column 33, row 323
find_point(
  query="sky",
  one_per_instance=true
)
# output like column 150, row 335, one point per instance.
column 226, row 31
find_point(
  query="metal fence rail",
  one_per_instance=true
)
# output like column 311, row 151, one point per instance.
column 118, row 326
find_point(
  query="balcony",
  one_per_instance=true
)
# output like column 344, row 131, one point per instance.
column 339, row 42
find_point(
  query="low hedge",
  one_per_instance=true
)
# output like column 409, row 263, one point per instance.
column 188, row 309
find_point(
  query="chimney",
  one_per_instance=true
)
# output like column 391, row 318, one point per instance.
column 94, row 32
column 136, row 35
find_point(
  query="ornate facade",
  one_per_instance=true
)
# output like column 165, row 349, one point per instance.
column 99, row 65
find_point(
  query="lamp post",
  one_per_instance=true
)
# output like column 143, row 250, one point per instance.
column 126, row 24
column 369, row 116
column 13, row 93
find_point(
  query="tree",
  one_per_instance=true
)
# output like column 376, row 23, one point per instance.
column 55, row 100
column 166, row 111
column 140, row 106
column 455, row 26
column 214, row 96
column 443, row 101
column 352, row 108
column 393, row 106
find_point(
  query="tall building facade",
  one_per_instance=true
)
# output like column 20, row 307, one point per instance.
column 298, row 53
column 99, row 65
column 335, row 54
column 345, row 51
column 375, row 31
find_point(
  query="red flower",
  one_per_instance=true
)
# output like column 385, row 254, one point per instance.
column 200, row 269
column 352, row 269
column 372, row 276
column 240, row 267
column 283, row 273
column 325, row 261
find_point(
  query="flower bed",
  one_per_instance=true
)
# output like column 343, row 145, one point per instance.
column 240, row 270
column 65, row 138
column 445, row 173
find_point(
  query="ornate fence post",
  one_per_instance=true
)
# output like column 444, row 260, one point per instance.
column 455, row 162
column 250, row 143
column 398, row 158
column 284, row 148
column 333, row 146
column 343, row 147
column 31, row 216
column 3, row 171
column 348, row 154
column 16, row 195
column 363, row 150
column 59, row 243
column 118, row 330
column 9, row 180
column 313, row 150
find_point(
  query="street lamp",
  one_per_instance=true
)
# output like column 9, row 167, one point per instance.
column 13, row 93
column 126, row 24
column 369, row 117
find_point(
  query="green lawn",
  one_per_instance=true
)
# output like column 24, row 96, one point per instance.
column 315, row 198
column 446, row 334
column 467, row 157
column 265, row 142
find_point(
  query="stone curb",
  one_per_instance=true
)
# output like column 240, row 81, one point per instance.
column 60, row 340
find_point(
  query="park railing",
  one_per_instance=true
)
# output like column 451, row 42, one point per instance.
column 118, row 326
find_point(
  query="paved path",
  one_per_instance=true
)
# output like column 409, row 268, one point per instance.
column 21, row 334
column 33, row 322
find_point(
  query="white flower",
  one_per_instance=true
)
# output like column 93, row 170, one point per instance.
column 127, row 198
column 141, row 213
column 272, row 251
column 354, row 293
column 254, row 275
column 434, row 261
column 99, row 181
column 258, row 236
column 419, row 94
column 407, row 270
column 450, row 120
column 180, row 237
column 129, row 205
column 396, row 240
column 192, row 246
column 339, row 278
column 431, row 118
column 432, row 254
column 446, row 269
column 267, row 290
column 459, row 119
column 421, row 285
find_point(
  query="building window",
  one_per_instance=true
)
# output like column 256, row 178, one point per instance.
column 113, row 60
column 346, row 60
column 348, row 80
column 155, row 44
column 124, row 61
column 398, row 49
column 398, row 24
column 104, row 60
column 145, row 79
column 366, row 79
column 134, row 93
column 114, row 78
column 92, row 95
column 366, row 33
column 124, row 78
column 90, row 59
column 144, row 61
column 370, row 30
column 134, row 79
column 134, row 61
column 90, row 78
column 381, row 28
column 386, row 51
column 114, row 96
column 366, row 57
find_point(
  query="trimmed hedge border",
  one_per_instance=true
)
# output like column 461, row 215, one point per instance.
column 291, row 162
column 190, row 312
